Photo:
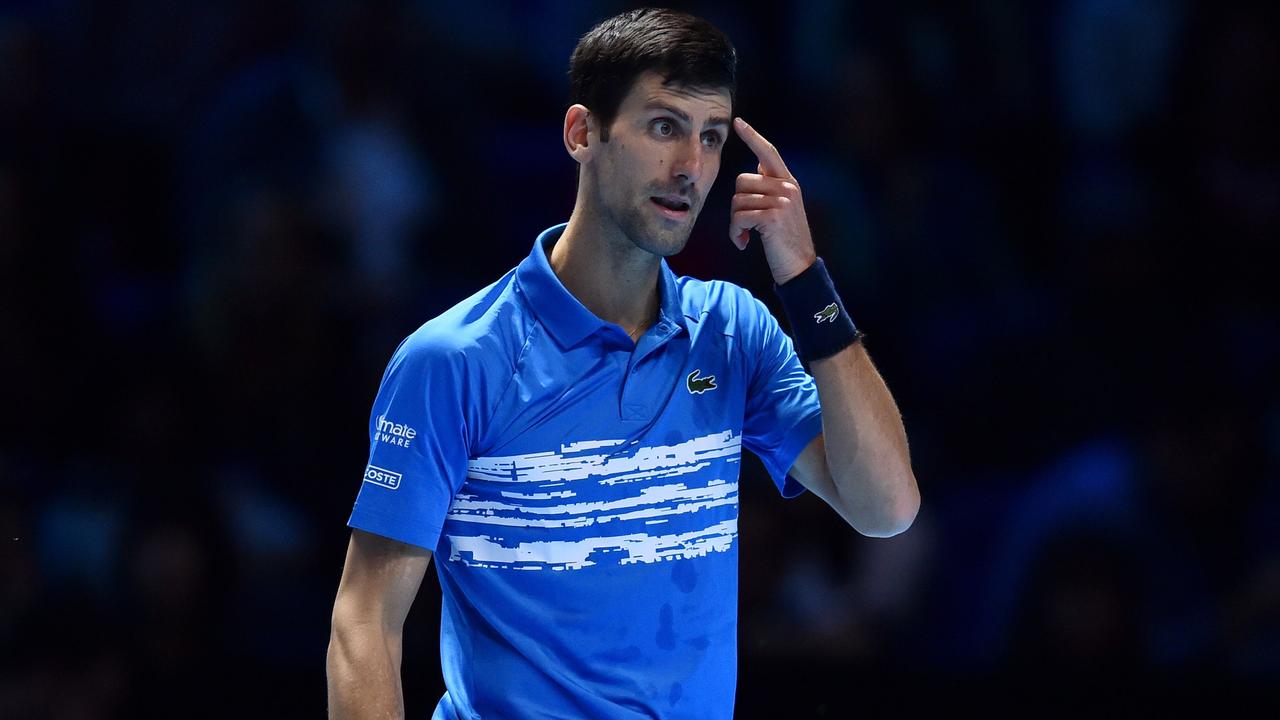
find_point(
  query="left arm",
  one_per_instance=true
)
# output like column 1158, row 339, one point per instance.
column 865, row 472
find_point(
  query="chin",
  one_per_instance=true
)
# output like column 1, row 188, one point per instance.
column 654, row 235
column 666, row 243
column 664, row 239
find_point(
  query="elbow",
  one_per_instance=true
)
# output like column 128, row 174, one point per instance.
column 906, row 515
column 894, row 517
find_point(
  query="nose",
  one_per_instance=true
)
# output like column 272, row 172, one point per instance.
column 688, row 161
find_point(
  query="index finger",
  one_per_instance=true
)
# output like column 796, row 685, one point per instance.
column 768, row 155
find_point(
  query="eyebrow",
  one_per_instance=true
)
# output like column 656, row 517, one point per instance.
column 659, row 105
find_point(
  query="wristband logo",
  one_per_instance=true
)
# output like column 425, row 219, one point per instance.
column 698, row 385
column 389, row 479
column 827, row 314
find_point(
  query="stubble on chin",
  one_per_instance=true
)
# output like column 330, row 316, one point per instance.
column 652, row 234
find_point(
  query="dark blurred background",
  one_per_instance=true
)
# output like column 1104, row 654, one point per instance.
column 217, row 219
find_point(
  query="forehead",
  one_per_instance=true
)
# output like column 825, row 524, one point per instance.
column 648, row 88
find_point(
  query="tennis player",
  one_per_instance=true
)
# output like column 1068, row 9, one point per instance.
column 566, row 442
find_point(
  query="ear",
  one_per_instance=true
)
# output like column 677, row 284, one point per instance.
column 579, row 132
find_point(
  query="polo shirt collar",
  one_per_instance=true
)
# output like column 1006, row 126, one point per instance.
column 562, row 314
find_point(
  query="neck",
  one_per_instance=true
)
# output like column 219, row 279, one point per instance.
column 606, row 272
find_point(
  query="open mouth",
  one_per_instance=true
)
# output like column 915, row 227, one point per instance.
column 671, row 207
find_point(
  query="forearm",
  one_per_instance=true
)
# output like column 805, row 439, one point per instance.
column 866, row 443
column 363, row 666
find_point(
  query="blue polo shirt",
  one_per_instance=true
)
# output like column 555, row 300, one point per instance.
column 580, row 491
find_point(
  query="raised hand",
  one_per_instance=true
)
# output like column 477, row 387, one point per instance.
column 769, row 201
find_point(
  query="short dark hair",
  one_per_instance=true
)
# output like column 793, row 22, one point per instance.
column 686, row 50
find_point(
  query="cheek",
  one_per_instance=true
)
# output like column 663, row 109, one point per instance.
column 614, row 169
column 710, row 170
column 624, row 179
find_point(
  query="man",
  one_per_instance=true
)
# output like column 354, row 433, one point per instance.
column 566, row 441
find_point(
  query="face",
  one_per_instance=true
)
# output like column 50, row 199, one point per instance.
column 663, row 154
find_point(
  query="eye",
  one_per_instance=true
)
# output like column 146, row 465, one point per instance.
column 711, row 139
column 664, row 127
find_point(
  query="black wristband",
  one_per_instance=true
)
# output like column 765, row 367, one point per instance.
column 819, row 324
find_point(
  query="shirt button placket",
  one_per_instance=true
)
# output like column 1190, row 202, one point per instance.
column 633, row 394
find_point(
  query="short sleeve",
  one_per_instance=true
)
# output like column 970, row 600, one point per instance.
column 418, row 445
column 782, row 412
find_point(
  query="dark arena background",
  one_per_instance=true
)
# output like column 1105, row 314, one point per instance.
column 217, row 220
